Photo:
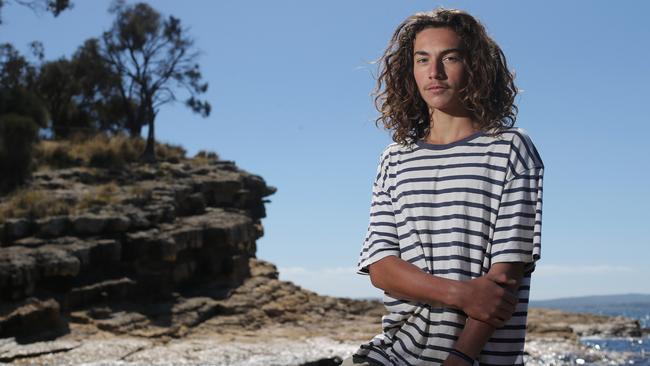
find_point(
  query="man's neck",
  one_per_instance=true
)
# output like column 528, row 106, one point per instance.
column 446, row 128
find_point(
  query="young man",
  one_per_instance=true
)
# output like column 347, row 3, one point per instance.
column 455, row 221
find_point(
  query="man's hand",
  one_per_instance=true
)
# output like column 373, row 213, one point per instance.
column 454, row 361
column 487, row 299
column 495, row 291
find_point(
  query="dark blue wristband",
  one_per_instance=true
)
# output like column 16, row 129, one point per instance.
column 462, row 355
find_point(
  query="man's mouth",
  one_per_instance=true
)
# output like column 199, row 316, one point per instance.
column 436, row 87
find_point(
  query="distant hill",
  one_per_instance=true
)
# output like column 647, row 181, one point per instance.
column 635, row 306
column 593, row 300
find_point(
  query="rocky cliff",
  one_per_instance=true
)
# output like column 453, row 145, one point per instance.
column 141, row 235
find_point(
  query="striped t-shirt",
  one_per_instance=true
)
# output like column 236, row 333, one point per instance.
column 453, row 210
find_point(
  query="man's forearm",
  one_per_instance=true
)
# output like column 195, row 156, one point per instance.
column 481, row 298
column 404, row 280
column 476, row 333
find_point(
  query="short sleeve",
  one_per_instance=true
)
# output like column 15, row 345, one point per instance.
column 518, row 230
column 381, row 237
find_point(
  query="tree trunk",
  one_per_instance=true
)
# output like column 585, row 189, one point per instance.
column 149, row 154
column 134, row 128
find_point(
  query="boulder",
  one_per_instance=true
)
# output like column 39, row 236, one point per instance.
column 53, row 226
column 18, row 273
column 94, row 254
column 89, row 224
column 21, row 269
column 137, row 218
column 118, row 224
column 219, row 190
column 31, row 319
column 17, row 228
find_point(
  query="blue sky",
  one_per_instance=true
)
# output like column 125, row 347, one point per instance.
column 290, row 85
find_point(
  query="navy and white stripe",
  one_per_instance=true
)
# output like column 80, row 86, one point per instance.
column 453, row 210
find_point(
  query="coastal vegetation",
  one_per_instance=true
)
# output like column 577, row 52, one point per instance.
column 90, row 109
column 99, row 151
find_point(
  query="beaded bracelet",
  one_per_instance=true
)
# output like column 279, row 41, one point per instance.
column 462, row 355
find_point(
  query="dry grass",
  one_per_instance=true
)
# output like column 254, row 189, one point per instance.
column 53, row 154
column 36, row 204
column 169, row 152
column 140, row 194
column 204, row 158
column 210, row 155
column 98, row 196
column 33, row 204
column 101, row 151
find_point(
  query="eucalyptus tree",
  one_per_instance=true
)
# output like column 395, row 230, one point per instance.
column 156, row 61
column 53, row 6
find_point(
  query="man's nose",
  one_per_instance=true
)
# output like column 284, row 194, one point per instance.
column 437, row 71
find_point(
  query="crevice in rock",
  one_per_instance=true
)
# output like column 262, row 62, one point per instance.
column 16, row 357
column 139, row 349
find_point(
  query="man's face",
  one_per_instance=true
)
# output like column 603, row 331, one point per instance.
column 439, row 69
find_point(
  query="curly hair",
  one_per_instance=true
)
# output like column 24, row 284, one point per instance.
column 488, row 95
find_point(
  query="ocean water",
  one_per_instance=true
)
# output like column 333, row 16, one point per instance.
column 637, row 348
column 639, row 311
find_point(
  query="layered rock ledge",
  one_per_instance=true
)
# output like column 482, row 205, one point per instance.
column 134, row 236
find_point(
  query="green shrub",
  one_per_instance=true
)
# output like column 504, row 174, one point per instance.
column 19, row 101
column 17, row 135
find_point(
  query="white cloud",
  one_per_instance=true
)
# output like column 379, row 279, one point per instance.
column 333, row 281
column 329, row 271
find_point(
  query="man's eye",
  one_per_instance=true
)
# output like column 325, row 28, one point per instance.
column 452, row 59
column 421, row 60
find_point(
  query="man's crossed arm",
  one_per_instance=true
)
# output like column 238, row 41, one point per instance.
column 489, row 301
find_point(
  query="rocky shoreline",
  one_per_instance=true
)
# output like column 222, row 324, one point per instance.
column 156, row 265
column 270, row 322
